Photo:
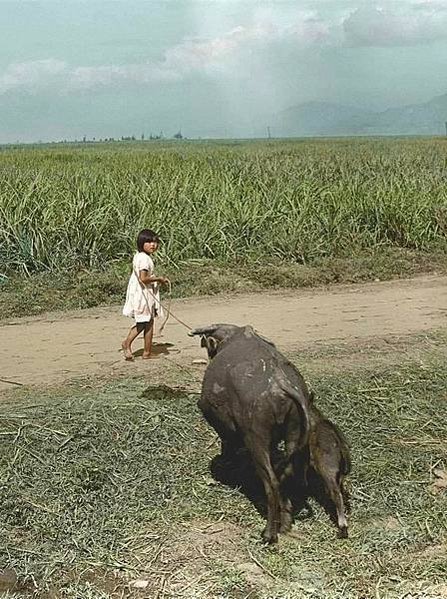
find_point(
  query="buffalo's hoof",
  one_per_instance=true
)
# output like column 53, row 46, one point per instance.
column 269, row 538
column 286, row 522
column 343, row 532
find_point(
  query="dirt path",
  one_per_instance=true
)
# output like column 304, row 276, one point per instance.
column 50, row 349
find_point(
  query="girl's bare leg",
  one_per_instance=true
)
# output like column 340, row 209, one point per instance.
column 133, row 334
column 148, row 335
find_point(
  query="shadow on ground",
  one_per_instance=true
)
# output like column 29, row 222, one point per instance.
column 240, row 474
column 159, row 349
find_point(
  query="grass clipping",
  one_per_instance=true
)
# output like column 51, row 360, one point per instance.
column 107, row 493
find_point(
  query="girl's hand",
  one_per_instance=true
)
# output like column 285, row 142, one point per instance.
column 164, row 281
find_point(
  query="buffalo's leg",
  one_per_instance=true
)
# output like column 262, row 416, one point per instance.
column 296, row 457
column 295, row 460
column 336, row 495
column 230, row 440
column 231, row 444
column 259, row 450
column 286, row 515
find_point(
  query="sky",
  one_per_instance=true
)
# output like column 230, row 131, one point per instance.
column 107, row 68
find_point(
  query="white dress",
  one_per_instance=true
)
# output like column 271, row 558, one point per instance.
column 142, row 301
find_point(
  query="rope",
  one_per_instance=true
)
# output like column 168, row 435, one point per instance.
column 168, row 310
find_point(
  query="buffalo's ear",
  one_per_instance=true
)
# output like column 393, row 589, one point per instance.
column 212, row 344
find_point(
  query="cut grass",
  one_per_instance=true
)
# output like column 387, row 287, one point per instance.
column 103, row 485
column 28, row 296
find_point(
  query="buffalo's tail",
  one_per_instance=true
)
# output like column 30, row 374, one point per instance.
column 302, row 403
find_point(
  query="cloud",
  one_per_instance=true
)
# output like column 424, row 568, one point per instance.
column 373, row 26
column 203, row 56
column 265, row 31
column 434, row 5
column 93, row 76
column 32, row 74
column 242, row 47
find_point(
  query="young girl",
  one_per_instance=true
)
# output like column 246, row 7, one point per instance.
column 143, row 297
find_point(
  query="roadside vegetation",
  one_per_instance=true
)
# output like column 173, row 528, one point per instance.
column 303, row 212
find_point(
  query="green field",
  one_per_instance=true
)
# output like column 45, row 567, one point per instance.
column 82, row 207
column 371, row 207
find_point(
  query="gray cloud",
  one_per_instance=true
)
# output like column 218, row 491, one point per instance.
column 32, row 74
column 203, row 56
column 373, row 26
column 433, row 5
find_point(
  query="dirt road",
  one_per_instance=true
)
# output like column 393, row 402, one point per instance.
column 56, row 347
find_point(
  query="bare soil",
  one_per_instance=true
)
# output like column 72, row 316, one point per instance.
column 60, row 346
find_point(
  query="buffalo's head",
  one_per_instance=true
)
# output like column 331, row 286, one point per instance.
column 214, row 336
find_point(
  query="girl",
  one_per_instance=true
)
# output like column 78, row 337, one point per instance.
column 143, row 297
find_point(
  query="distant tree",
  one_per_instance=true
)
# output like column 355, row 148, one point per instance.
column 84, row 139
column 178, row 135
column 142, row 137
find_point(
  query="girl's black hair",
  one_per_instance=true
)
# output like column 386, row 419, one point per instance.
column 144, row 236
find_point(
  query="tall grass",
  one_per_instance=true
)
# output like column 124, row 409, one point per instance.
column 81, row 207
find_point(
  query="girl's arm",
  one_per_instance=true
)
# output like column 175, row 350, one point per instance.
column 147, row 279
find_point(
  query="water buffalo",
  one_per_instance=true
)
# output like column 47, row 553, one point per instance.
column 328, row 455
column 254, row 397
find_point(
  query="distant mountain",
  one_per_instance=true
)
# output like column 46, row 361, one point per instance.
column 415, row 119
column 318, row 118
column 323, row 118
